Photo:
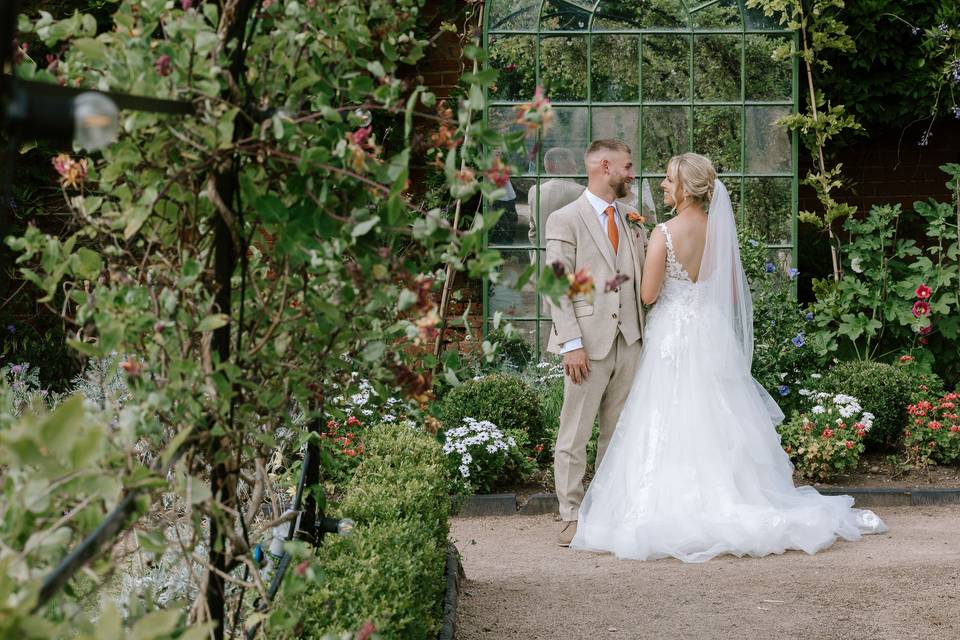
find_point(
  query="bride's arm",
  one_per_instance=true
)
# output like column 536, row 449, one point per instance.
column 654, row 267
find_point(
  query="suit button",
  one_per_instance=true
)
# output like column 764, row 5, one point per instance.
column 614, row 315
column 617, row 290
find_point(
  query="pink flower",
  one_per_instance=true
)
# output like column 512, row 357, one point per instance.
column 905, row 359
column 498, row 173
column 924, row 331
column 920, row 308
column 186, row 4
column 923, row 340
column 923, row 292
column 163, row 65
column 827, row 433
column 955, row 428
column 934, row 425
column 366, row 631
column 360, row 136
column 849, row 444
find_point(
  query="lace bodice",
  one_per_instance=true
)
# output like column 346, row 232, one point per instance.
column 677, row 286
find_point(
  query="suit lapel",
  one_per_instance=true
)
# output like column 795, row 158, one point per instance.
column 592, row 222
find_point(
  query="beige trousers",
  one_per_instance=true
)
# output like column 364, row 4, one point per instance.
column 605, row 390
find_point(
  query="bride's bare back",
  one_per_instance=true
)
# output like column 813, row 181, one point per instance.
column 688, row 232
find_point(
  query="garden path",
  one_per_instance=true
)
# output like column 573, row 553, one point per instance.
column 903, row 584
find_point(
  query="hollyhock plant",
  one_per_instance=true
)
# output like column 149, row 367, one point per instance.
column 923, row 292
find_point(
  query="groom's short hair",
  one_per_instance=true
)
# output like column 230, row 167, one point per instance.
column 606, row 144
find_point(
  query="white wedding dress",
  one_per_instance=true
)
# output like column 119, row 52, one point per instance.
column 695, row 468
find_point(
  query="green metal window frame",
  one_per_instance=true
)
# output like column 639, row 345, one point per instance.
column 730, row 178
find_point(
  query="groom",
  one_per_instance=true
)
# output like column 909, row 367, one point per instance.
column 599, row 337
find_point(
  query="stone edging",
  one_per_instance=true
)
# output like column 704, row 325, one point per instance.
column 453, row 573
column 506, row 504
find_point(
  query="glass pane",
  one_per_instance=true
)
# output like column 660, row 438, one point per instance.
column 768, row 212
column 722, row 15
column 754, row 19
column 614, row 73
column 513, row 15
column 563, row 67
column 565, row 15
column 768, row 144
column 512, row 227
column 620, row 123
column 767, row 79
column 650, row 200
column 515, row 58
column 504, row 119
column 665, row 134
column 716, row 134
column 554, row 193
column 717, row 70
column 504, row 296
column 666, row 68
column 782, row 258
column 629, row 15
column 569, row 129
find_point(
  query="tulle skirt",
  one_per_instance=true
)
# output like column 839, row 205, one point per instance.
column 695, row 468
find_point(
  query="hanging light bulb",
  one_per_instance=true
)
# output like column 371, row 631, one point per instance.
column 96, row 120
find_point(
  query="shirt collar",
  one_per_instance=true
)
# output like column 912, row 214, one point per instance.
column 599, row 204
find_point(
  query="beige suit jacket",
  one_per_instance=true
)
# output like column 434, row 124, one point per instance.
column 574, row 237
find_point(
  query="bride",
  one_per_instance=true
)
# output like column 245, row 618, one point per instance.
column 695, row 468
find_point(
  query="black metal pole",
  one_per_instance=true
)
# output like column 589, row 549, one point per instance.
column 223, row 477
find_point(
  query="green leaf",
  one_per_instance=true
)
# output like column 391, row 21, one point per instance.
column 362, row 228
column 175, row 444
column 214, row 321
column 87, row 264
column 90, row 349
column 373, row 351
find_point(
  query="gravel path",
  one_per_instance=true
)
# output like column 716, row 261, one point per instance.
column 903, row 584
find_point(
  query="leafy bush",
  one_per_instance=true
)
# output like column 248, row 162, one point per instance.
column 883, row 389
column 483, row 458
column 827, row 440
column 898, row 294
column 546, row 379
column 933, row 434
column 389, row 571
column 503, row 399
column 781, row 357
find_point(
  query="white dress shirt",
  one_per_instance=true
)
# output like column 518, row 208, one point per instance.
column 600, row 207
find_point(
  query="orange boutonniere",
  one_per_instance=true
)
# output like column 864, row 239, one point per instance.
column 636, row 219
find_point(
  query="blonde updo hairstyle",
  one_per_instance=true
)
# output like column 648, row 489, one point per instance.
column 696, row 176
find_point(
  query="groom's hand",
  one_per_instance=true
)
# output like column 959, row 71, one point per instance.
column 576, row 365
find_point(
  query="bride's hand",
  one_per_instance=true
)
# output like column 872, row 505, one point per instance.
column 576, row 365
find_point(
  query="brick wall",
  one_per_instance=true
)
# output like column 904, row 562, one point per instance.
column 887, row 169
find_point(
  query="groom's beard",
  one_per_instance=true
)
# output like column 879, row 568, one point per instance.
column 621, row 189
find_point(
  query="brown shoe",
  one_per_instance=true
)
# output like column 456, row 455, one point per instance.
column 566, row 534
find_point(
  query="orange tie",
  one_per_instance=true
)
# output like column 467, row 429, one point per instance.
column 612, row 232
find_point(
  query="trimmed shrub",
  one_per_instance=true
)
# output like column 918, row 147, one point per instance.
column 882, row 389
column 503, row 399
column 390, row 570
